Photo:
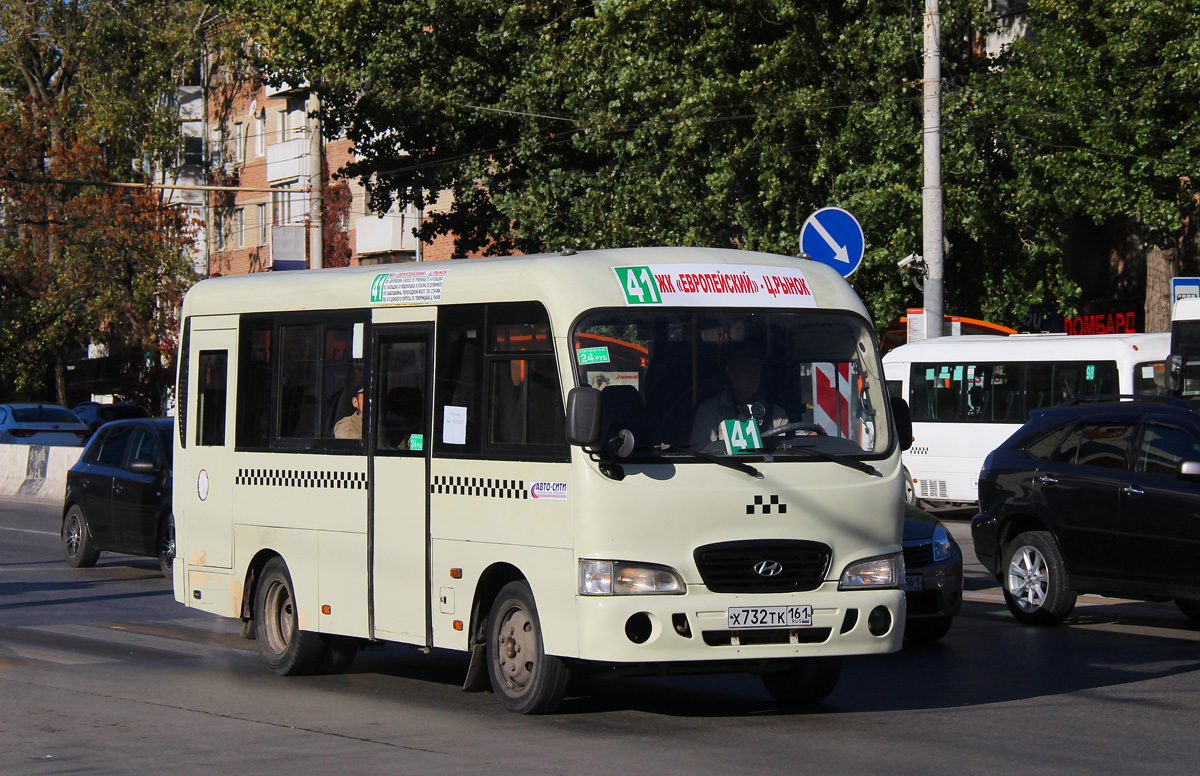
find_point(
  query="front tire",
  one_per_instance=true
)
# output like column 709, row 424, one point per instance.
column 166, row 544
column 927, row 629
column 525, row 679
column 1035, row 580
column 806, row 680
column 287, row 650
column 910, row 488
column 79, row 549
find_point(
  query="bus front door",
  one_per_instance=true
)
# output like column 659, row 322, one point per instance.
column 400, row 442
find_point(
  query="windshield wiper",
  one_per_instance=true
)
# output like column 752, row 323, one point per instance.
column 745, row 468
column 853, row 463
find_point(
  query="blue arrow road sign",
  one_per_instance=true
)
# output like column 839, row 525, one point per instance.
column 832, row 236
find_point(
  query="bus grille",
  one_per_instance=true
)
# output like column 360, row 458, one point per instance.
column 729, row 567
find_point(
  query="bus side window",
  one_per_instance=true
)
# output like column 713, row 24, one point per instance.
column 457, row 381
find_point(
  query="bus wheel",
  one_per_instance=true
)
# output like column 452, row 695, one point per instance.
column 525, row 679
column 805, row 680
column 77, row 544
column 287, row 650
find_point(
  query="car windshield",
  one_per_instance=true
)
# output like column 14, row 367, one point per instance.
column 779, row 384
column 121, row 412
column 43, row 415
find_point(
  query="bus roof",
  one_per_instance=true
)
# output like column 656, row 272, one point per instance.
column 567, row 283
column 1034, row 347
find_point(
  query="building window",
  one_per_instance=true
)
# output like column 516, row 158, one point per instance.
column 288, row 203
column 239, row 142
column 281, row 134
column 260, row 133
column 239, row 227
column 262, row 224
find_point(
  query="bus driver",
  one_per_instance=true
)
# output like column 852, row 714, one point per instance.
column 740, row 401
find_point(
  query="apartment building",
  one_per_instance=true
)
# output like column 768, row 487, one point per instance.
column 278, row 202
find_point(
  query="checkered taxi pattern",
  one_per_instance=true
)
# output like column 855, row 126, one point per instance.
column 299, row 478
column 479, row 486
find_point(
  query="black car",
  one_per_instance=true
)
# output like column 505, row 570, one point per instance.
column 94, row 414
column 933, row 576
column 119, row 495
column 1094, row 497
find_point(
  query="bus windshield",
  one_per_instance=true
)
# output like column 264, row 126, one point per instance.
column 774, row 384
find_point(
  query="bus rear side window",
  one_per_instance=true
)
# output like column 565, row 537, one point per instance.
column 210, row 402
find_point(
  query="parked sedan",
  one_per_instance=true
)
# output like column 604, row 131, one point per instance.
column 933, row 576
column 94, row 414
column 119, row 495
column 40, row 424
column 1097, row 498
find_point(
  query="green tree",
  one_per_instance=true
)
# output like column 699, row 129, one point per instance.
column 90, row 88
column 634, row 122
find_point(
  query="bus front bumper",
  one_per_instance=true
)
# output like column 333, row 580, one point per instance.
column 699, row 625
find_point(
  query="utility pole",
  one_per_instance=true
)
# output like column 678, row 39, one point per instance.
column 316, row 157
column 931, row 193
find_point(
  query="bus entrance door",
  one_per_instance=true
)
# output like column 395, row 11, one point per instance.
column 400, row 593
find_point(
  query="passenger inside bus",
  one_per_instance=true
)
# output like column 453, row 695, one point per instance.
column 740, row 400
column 350, row 427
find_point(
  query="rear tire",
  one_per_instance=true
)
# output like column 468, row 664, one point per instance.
column 1034, row 579
column 78, row 548
column 287, row 650
column 806, row 680
column 525, row 679
column 166, row 544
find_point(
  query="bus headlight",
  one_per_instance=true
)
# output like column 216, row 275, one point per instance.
column 614, row 577
column 887, row 571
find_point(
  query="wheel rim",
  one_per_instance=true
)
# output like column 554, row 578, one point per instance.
column 166, row 550
column 516, row 649
column 280, row 617
column 1028, row 579
column 73, row 534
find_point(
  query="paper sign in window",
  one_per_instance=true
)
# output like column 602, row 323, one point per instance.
column 454, row 425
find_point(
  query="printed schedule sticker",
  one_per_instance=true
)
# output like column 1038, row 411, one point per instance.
column 722, row 285
column 410, row 287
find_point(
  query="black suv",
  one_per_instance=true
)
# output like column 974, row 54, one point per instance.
column 1095, row 497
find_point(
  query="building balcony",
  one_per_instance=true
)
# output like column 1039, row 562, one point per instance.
column 288, row 160
column 391, row 233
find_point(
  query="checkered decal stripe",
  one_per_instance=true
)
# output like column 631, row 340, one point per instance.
column 294, row 478
column 479, row 486
column 780, row 509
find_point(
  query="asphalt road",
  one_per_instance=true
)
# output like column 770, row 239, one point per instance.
column 102, row 672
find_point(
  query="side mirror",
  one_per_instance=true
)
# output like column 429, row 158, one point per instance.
column 903, row 419
column 1173, row 373
column 1189, row 470
column 583, row 416
column 143, row 466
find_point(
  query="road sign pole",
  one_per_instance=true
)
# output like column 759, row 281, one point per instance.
column 931, row 210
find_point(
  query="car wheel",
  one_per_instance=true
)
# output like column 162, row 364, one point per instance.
column 1035, row 580
column 1189, row 607
column 287, row 650
column 166, row 544
column 927, row 629
column 804, row 680
column 910, row 490
column 78, row 548
column 525, row 679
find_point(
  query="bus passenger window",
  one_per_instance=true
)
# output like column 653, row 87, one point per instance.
column 210, row 401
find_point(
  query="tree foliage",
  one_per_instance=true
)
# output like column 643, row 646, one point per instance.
column 635, row 122
column 90, row 94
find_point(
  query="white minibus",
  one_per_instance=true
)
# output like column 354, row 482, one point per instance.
column 618, row 461
column 968, row 394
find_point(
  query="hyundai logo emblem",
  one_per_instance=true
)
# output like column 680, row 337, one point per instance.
column 768, row 568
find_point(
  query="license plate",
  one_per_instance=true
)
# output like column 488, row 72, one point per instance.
column 914, row 582
column 799, row 616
